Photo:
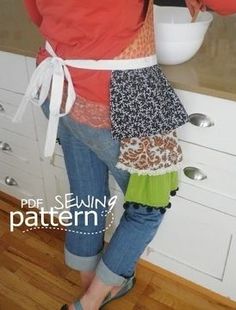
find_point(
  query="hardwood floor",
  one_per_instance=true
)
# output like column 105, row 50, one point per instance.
column 33, row 276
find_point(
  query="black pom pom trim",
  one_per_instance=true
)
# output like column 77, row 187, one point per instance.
column 136, row 205
column 125, row 205
column 173, row 193
column 162, row 210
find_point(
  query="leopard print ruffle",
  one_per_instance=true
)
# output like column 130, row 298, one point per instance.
column 153, row 155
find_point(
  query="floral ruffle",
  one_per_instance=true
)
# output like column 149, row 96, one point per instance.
column 143, row 103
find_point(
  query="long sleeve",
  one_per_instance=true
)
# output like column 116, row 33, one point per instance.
column 33, row 11
column 226, row 7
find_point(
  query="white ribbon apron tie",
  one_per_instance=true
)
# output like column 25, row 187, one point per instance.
column 52, row 72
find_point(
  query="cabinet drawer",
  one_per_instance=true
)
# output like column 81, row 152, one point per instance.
column 220, row 112
column 195, row 237
column 13, row 73
column 207, row 198
column 9, row 103
column 19, row 151
column 208, row 169
column 20, row 184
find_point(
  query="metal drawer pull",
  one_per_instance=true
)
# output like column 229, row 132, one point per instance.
column 2, row 108
column 5, row 146
column 10, row 181
column 200, row 120
column 194, row 173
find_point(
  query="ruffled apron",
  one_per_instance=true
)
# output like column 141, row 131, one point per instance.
column 144, row 113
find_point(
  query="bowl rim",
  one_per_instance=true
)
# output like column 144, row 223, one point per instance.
column 211, row 17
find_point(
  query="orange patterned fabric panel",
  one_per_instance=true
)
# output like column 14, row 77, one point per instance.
column 91, row 113
column 153, row 155
column 144, row 44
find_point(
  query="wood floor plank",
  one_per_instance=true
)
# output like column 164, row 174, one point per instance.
column 73, row 277
column 36, row 256
column 45, row 248
column 60, row 288
column 39, row 297
column 164, row 297
column 185, row 294
column 147, row 303
column 6, row 303
column 122, row 303
column 16, row 297
column 8, row 262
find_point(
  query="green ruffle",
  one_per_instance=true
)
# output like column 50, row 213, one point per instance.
column 151, row 190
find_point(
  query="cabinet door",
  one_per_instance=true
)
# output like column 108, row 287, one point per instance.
column 196, row 243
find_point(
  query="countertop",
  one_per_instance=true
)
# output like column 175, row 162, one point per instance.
column 212, row 71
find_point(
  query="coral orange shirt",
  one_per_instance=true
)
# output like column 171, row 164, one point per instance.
column 88, row 29
column 223, row 7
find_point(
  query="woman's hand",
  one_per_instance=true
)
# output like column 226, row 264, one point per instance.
column 194, row 6
column 222, row 7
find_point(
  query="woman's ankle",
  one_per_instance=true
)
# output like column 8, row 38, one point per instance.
column 86, row 278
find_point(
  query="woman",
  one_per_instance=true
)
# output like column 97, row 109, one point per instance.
column 117, row 115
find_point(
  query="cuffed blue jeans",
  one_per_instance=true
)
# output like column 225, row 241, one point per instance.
column 89, row 154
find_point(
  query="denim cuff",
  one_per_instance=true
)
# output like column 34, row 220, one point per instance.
column 81, row 263
column 107, row 276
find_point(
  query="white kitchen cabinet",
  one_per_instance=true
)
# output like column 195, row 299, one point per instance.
column 20, row 165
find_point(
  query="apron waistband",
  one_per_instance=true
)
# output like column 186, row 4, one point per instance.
column 106, row 64
column 52, row 72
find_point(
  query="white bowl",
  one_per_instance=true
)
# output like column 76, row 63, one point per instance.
column 177, row 39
